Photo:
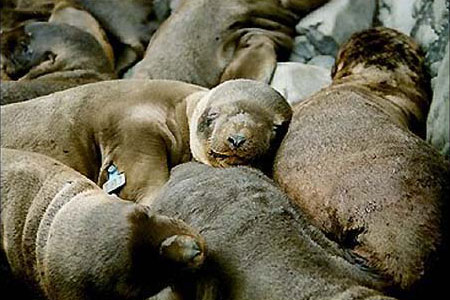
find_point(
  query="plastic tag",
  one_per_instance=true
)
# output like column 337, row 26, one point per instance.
column 115, row 180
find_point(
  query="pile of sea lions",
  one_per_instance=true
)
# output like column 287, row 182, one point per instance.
column 145, row 156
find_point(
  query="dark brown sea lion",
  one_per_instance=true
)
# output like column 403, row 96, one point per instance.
column 129, row 24
column 259, row 246
column 144, row 128
column 206, row 42
column 58, row 55
column 67, row 239
column 65, row 13
column 352, row 162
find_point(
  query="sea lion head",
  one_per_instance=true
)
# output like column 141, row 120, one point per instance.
column 239, row 122
column 163, row 249
column 381, row 47
column 389, row 63
column 18, row 52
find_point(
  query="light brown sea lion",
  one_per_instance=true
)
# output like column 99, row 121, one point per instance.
column 206, row 42
column 51, row 53
column 144, row 128
column 259, row 246
column 67, row 239
column 352, row 163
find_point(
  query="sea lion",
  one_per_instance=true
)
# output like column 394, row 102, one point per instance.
column 129, row 23
column 67, row 239
column 65, row 13
column 51, row 53
column 259, row 246
column 144, row 128
column 206, row 42
column 352, row 162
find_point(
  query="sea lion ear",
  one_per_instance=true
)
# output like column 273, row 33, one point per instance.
column 283, row 118
column 281, row 124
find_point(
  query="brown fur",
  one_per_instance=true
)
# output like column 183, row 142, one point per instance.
column 65, row 13
column 350, row 161
column 67, row 240
column 14, row 13
column 239, row 123
column 210, row 41
column 51, row 52
column 129, row 23
column 140, row 126
column 259, row 246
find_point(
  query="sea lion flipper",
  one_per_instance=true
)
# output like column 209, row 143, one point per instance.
column 255, row 58
column 49, row 65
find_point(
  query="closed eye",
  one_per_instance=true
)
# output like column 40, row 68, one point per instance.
column 211, row 117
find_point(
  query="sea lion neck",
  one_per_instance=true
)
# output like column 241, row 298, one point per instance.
column 405, row 100
column 191, row 103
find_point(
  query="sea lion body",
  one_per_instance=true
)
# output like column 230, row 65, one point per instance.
column 67, row 239
column 129, row 23
column 65, row 13
column 206, row 42
column 141, row 127
column 259, row 246
column 39, row 48
column 56, row 54
column 352, row 164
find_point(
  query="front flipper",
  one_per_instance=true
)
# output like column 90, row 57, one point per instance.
column 49, row 65
column 256, row 56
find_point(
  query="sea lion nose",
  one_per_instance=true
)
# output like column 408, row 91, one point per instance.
column 236, row 140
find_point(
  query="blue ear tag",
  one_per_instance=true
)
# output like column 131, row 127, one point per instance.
column 115, row 180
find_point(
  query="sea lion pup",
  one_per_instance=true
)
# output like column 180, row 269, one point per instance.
column 66, row 13
column 51, row 53
column 67, row 239
column 206, row 42
column 143, row 128
column 352, row 163
column 259, row 247
column 129, row 23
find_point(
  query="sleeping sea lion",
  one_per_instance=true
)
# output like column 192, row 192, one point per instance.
column 259, row 246
column 352, row 162
column 66, row 239
column 206, row 42
column 56, row 54
column 143, row 128
column 129, row 24
column 66, row 13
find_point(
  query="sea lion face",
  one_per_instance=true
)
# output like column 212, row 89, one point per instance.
column 19, row 53
column 239, row 128
column 235, row 134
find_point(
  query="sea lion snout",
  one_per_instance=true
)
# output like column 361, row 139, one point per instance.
column 236, row 140
column 183, row 249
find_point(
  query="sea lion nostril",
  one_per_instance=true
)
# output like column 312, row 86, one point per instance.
column 236, row 140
